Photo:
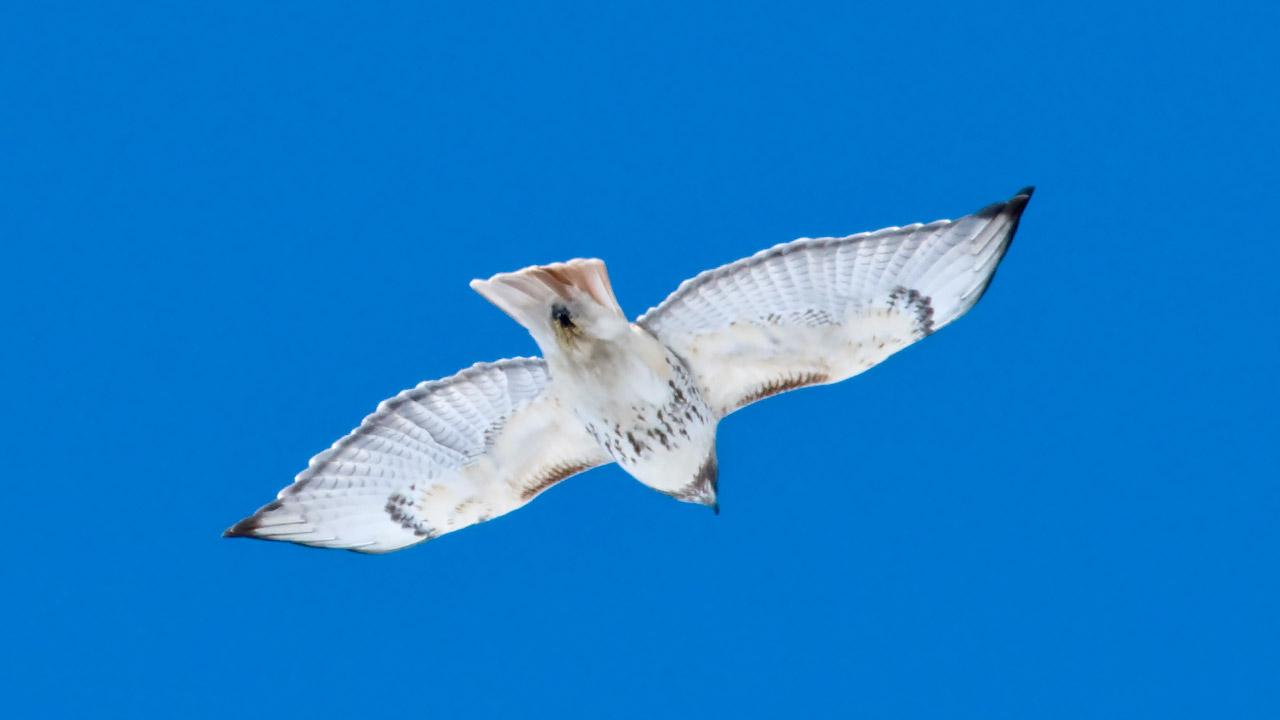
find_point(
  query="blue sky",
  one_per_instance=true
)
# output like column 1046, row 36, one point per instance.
column 230, row 231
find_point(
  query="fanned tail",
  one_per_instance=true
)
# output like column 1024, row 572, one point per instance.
column 528, row 294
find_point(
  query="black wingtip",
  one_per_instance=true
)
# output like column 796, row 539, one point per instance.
column 248, row 526
column 1014, row 204
column 1018, row 202
column 244, row 528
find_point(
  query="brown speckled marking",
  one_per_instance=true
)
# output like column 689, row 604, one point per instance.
column 551, row 476
column 783, row 384
column 399, row 508
column 919, row 305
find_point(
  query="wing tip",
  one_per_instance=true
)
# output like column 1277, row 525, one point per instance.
column 1014, row 205
column 239, row 530
column 254, row 525
column 244, row 528
column 248, row 526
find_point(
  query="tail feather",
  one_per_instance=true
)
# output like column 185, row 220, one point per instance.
column 526, row 294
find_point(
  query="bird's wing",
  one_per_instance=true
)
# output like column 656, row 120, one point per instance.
column 434, row 459
column 816, row 311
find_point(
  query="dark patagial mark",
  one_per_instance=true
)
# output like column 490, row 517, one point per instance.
column 550, row 476
column 783, row 384
column 911, row 301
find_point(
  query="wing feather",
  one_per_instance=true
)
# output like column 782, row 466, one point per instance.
column 815, row 311
column 433, row 459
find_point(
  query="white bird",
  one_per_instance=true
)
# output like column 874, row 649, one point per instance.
column 647, row 395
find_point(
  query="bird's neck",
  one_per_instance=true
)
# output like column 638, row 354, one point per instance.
column 629, row 366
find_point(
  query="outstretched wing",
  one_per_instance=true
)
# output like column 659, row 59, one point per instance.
column 434, row 459
column 816, row 311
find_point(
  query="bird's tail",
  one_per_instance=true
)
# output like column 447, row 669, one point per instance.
column 528, row 295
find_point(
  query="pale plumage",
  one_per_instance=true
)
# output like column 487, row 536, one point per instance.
column 647, row 395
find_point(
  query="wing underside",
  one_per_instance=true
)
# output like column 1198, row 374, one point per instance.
column 433, row 459
column 820, row 310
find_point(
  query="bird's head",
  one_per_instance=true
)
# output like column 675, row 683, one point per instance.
column 564, row 306
column 575, row 320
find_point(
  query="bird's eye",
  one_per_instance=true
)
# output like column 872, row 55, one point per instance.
column 560, row 314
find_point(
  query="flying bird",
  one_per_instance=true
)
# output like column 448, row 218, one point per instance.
column 647, row 395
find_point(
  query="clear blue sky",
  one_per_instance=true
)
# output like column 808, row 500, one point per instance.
column 230, row 231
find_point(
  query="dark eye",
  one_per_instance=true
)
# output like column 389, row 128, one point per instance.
column 560, row 314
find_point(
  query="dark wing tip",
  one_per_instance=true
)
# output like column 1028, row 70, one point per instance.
column 244, row 528
column 1014, row 207
column 248, row 527
column 1014, row 204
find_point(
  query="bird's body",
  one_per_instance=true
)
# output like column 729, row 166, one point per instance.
column 646, row 411
column 633, row 395
column 647, row 395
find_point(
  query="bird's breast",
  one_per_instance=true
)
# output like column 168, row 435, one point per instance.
column 653, row 422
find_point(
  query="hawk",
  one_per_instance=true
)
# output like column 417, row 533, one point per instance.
column 646, row 394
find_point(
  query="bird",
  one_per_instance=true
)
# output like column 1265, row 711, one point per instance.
column 647, row 395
